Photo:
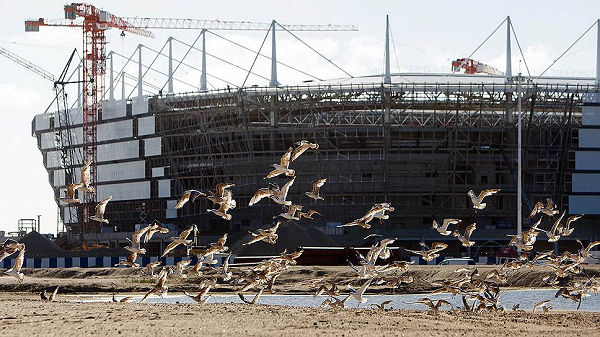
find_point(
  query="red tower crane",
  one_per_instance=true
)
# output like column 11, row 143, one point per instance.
column 95, row 22
column 474, row 67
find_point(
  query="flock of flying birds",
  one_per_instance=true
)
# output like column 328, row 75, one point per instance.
column 478, row 292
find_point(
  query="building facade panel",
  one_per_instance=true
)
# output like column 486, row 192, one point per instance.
column 589, row 138
column 124, row 191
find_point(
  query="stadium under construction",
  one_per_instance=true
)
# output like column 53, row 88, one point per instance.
column 418, row 141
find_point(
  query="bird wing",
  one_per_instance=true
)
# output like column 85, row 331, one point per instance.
column 592, row 245
column 557, row 222
column 299, row 151
column 487, row 193
column 260, row 194
column 273, row 229
column 137, row 235
column 286, row 188
column 169, row 248
column 296, row 254
column 85, row 173
column 19, row 260
column 184, row 198
column 53, row 295
column 162, row 278
column 285, row 159
column 448, row 222
column 536, row 209
column 195, row 194
column 312, row 211
column 132, row 257
column 101, row 207
column 573, row 218
column 418, row 252
column 222, row 187
column 550, row 204
column 71, row 190
column 185, row 233
column 364, row 287
column 317, row 184
column 222, row 240
column 438, row 246
column 469, row 230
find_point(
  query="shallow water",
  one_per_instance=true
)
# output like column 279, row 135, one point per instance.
column 526, row 298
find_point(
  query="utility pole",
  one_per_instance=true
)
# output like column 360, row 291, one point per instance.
column 519, row 80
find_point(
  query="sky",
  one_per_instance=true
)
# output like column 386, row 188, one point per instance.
column 426, row 35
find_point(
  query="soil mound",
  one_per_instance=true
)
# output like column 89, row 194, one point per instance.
column 291, row 236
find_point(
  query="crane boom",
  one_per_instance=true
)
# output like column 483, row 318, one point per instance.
column 474, row 67
column 23, row 62
column 169, row 23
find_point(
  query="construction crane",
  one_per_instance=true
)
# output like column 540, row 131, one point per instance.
column 169, row 23
column 474, row 67
column 24, row 63
column 95, row 22
column 62, row 134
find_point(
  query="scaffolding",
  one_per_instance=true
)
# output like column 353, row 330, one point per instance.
column 419, row 146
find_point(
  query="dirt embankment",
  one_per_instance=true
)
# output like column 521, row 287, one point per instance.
column 98, row 280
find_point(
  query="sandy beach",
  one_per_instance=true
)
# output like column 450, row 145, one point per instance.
column 25, row 315
column 22, row 313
